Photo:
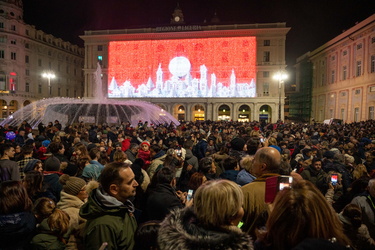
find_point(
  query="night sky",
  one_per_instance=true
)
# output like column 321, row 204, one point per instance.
column 312, row 22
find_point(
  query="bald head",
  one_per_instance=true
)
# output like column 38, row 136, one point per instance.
column 266, row 160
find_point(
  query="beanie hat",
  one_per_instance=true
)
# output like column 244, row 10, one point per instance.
column 237, row 144
column 52, row 164
column 72, row 185
column 30, row 165
column 145, row 142
column 46, row 143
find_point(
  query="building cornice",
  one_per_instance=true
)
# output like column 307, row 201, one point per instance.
column 277, row 29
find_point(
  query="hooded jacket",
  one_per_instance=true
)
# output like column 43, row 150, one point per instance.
column 46, row 239
column 108, row 220
column 16, row 230
column 182, row 230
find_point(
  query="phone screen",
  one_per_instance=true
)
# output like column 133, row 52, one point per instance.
column 274, row 184
column 334, row 178
column 178, row 152
column 189, row 195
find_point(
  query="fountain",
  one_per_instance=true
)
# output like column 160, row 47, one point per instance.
column 97, row 110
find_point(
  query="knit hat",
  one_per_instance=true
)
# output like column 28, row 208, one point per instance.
column 30, row 165
column 237, row 144
column 52, row 164
column 46, row 143
column 72, row 185
column 145, row 142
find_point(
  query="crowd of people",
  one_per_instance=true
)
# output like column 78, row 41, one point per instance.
column 198, row 185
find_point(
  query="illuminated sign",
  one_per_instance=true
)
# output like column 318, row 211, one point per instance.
column 200, row 67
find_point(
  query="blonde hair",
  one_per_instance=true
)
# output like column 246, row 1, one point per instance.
column 302, row 212
column 217, row 202
column 359, row 171
column 247, row 163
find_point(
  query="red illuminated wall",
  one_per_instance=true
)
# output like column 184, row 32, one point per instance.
column 136, row 61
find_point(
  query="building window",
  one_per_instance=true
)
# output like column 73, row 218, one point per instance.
column 266, row 42
column 343, row 93
column 2, row 54
column 13, row 42
column 373, row 39
column 67, row 92
column 59, row 91
column 27, row 59
column 344, row 72
column 49, row 53
column 13, row 55
column 333, row 58
column 345, row 52
column 356, row 114
column 371, row 113
column 27, row 32
column 359, row 68
column 266, row 89
column 332, row 76
column 359, row 46
column 13, row 27
column 266, row 74
column 39, row 88
column 40, row 62
column 372, row 69
column 266, row 56
column 27, row 87
column 100, row 47
column 343, row 114
column 27, row 72
column 323, row 79
column 27, row 46
column 357, row 91
column 1, row 25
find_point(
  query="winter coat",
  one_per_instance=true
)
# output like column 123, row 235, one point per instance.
column 161, row 200
column 230, row 175
column 51, row 182
column 182, row 230
column 360, row 237
column 108, row 220
column 17, row 230
column 318, row 178
column 191, row 159
column 71, row 205
column 244, row 178
column 368, row 214
column 155, row 165
column 46, row 239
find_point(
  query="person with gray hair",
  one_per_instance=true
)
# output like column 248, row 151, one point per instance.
column 266, row 164
column 367, row 204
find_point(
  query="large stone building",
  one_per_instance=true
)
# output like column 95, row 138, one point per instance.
column 26, row 54
column 343, row 75
column 192, row 87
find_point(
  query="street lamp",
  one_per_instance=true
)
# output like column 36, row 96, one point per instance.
column 49, row 76
column 280, row 77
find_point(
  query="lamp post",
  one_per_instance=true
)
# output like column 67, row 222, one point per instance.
column 280, row 77
column 49, row 76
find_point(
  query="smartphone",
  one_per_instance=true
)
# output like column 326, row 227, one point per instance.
column 275, row 184
column 189, row 195
column 334, row 178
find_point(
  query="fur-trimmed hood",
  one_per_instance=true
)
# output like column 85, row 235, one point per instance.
column 181, row 230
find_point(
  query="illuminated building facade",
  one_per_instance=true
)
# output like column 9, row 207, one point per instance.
column 343, row 75
column 213, row 72
column 26, row 54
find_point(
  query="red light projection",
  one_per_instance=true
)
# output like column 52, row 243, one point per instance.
column 201, row 67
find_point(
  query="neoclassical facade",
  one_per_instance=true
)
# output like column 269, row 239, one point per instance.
column 26, row 54
column 263, row 104
column 343, row 75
